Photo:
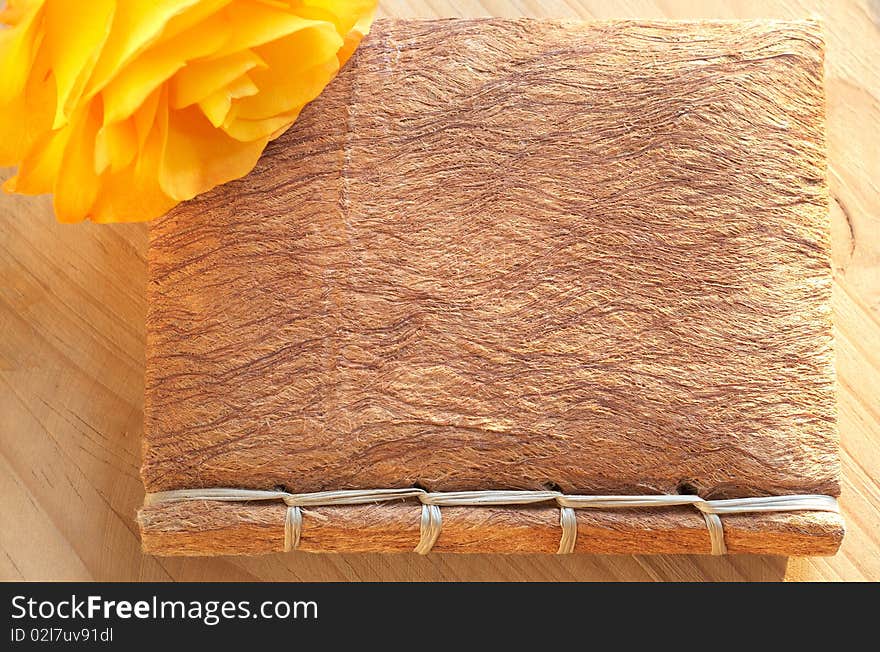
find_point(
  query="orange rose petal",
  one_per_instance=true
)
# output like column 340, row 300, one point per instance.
column 125, row 107
column 200, row 79
column 77, row 186
column 136, row 25
column 190, row 17
column 257, row 23
column 17, row 50
column 216, row 106
column 116, row 145
column 198, row 157
column 133, row 194
column 29, row 115
column 75, row 35
column 283, row 89
column 15, row 11
column 39, row 168
column 13, row 143
column 346, row 14
column 352, row 39
column 129, row 89
column 145, row 115
column 246, row 130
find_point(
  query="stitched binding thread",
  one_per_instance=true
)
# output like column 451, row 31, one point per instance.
column 292, row 528
column 429, row 529
column 568, row 523
column 432, row 521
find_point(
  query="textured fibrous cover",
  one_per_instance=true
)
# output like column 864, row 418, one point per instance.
column 511, row 255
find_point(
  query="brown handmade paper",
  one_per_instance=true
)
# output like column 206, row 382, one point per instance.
column 496, row 254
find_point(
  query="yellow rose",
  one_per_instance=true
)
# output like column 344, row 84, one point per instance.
column 123, row 108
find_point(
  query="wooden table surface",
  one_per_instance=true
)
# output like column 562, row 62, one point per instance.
column 72, row 357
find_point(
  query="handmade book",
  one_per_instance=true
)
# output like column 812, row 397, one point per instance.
column 510, row 286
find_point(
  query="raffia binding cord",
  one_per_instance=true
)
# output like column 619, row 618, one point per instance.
column 432, row 521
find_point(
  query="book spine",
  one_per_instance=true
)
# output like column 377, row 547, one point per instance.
column 200, row 527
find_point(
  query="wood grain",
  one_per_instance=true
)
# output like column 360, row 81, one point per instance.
column 520, row 254
column 72, row 310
